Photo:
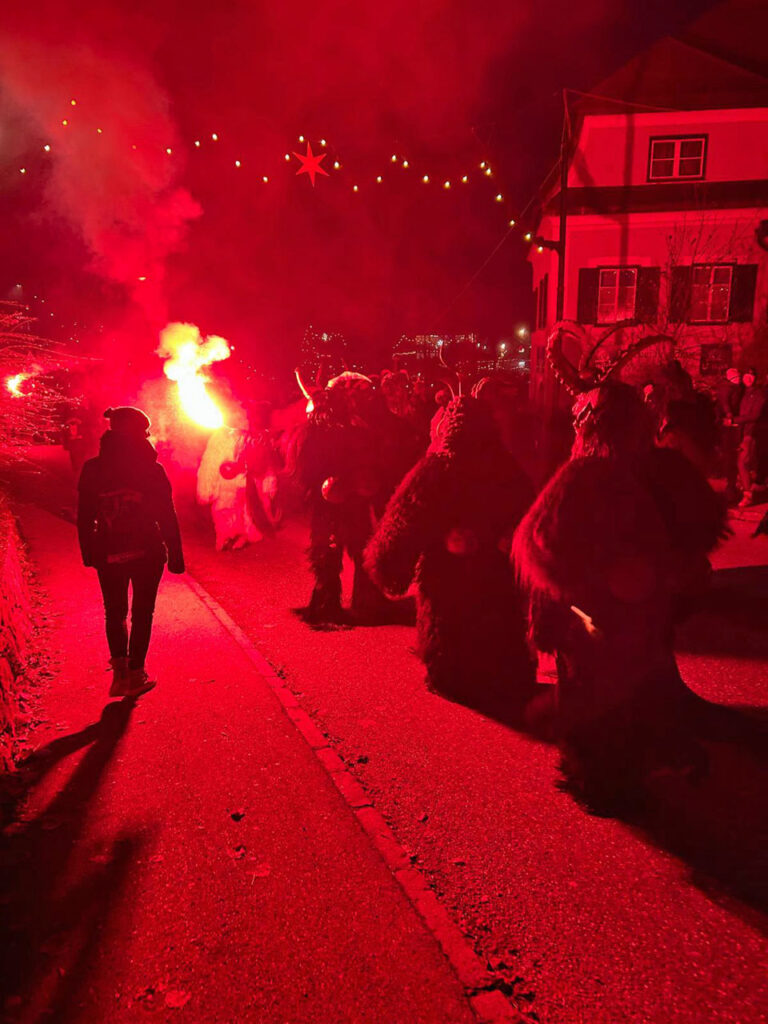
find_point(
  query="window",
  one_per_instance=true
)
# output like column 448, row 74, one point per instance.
column 710, row 293
column 677, row 158
column 616, row 295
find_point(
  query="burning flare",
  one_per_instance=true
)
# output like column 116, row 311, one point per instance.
column 186, row 353
column 14, row 383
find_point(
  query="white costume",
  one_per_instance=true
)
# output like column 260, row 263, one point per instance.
column 227, row 498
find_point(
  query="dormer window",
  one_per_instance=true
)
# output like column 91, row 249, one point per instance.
column 677, row 158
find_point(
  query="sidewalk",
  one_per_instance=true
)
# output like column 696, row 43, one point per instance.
column 188, row 855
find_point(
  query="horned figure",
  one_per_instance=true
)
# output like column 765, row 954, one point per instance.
column 446, row 530
column 336, row 463
column 612, row 554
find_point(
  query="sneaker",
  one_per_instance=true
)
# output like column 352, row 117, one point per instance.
column 138, row 683
column 119, row 685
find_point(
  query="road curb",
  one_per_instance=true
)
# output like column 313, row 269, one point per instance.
column 488, row 1003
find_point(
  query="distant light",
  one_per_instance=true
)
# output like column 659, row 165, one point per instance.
column 355, row 188
column 73, row 103
column 512, row 223
column 405, row 163
column 143, row 277
column 287, row 156
column 197, row 143
column 237, row 163
column 134, row 147
column 168, row 150
column 47, row 148
column 425, row 179
column 394, row 158
column 214, row 136
column 265, row 179
column 521, row 362
column 336, row 165
column 539, row 248
column 99, row 131
column 499, row 197
column 488, row 171
column 465, row 178
column 379, row 178
column 301, row 138
column 527, row 236
column 65, row 122
column 446, row 184
column 23, row 170
column 484, row 163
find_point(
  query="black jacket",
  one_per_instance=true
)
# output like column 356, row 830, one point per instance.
column 125, row 508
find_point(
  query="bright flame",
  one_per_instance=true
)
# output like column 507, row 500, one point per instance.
column 186, row 353
column 14, row 383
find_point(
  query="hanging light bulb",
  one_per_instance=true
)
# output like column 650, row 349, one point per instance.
column 197, row 143
column 527, row 236
column 99, row 131
column 336, row 165
column 394, row 158
column 47, row 148
column 484, row 164
column 539, row 248
column 465, row 178
column 355, row 188
column 65, row 122
column 405, row 163
column 488, row 171
column 379, row 178
column 237, row 163
column 323, row 142
column 73, row 103
column 214, row 137
column 265, row 179
column 301, row 138
column 23, row 170
column 168, row 150
column 512, row 223
column 446, row 184
column 425, row 179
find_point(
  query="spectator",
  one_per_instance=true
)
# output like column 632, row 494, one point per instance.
column 751, row 408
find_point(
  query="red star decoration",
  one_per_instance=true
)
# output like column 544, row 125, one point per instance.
column 310, row 164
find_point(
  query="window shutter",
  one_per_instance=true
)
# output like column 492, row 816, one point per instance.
column 743, row 293
column 680, row 294
column 647, row 308
column 586, row 312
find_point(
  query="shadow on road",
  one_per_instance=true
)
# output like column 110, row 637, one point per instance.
column 57, row 891
column 733, row 618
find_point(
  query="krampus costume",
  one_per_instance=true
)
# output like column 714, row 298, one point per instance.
column 335, row 462
column 448, row 527
column 221, row 483
column 612, row 553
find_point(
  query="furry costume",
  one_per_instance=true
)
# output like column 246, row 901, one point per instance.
column 612, row 552
column 227, row 497
column 445, row 528
column 336, row 464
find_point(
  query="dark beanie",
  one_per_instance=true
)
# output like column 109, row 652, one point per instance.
column 128, row 420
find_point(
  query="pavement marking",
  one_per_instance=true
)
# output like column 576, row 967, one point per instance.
column 488, row 1003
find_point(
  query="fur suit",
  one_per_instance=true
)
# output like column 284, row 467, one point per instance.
column 612, row 553
column 232, row 521
column 336, row 465
column 446, row 527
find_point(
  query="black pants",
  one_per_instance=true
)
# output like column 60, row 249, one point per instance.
column 144, row 576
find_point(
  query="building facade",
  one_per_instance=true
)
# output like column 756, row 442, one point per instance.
column 666, row 210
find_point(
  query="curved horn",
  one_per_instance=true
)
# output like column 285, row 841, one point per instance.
column 300, row 382
column 565, row 371
column 633, row 350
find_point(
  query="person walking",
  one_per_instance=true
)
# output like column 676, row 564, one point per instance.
column 127, row 529
column 751, row 409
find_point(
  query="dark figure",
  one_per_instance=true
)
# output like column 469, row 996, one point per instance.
column 728, row 396
column 748, row 419
column 448, row 528
column 127, row 528
column 335, row 462
column 613, row 553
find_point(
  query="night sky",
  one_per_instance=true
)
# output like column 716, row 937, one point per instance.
column 443, row 83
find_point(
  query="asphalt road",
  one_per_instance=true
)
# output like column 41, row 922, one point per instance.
column 584, row 920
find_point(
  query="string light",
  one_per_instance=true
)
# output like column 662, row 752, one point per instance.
column 483, row 164
column 425, row 179
column 65, row 122
column 265, row 179
column 499, row 198
column 22, row 170
column 197, row 143
column 394, row 158
column 214, row 137
column 168, row 150
column 539, row 248
column 99, row 131
column 323, row 142
column 379, row 178
column 446, row 184
column 355, row 188
column 512, row 223
column 73, row 103
column 287, row 157
column 301, row 138
column 488, row 171
column 336, row 165
column 465, row 178
column 238, row 164
column 527, row 236
column 47, row 148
